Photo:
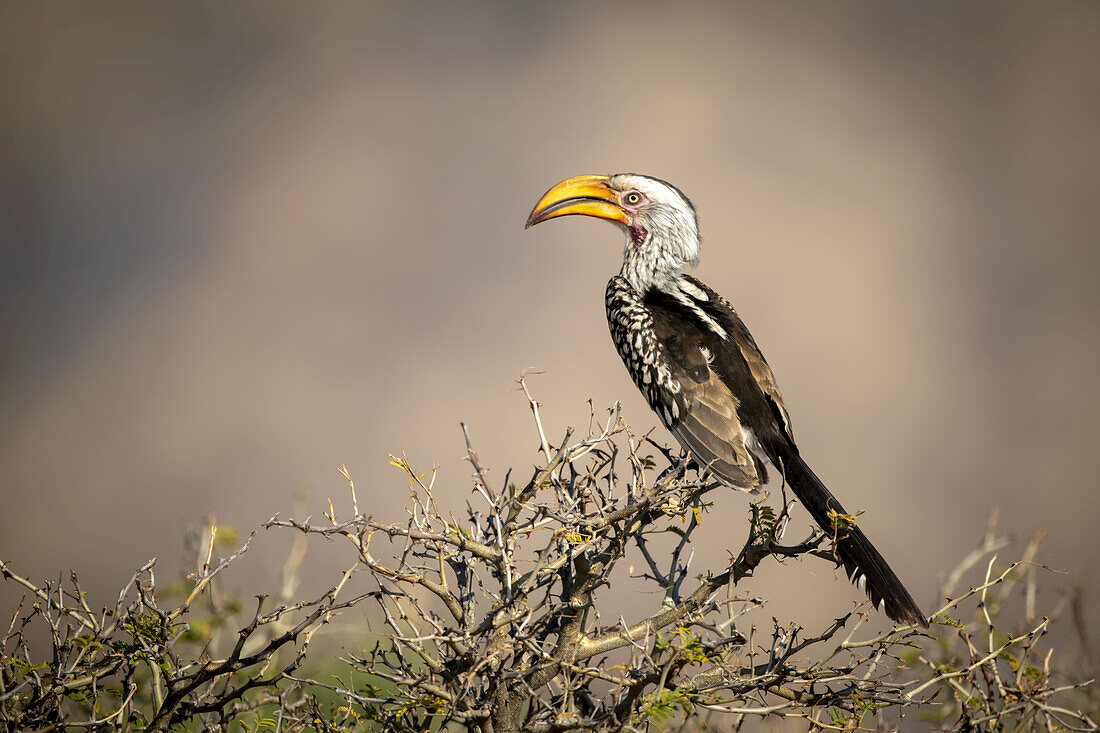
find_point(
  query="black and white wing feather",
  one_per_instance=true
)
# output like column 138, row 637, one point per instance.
column 672, row 366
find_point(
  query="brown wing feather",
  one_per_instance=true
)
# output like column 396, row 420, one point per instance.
column 720, row 309
column 707, row 423
column 711, row 432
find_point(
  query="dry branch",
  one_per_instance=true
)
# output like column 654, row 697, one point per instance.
column 492, row 623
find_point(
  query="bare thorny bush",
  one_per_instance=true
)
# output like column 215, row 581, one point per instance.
column 490, row 621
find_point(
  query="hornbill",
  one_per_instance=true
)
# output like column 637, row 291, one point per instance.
column 697, row 365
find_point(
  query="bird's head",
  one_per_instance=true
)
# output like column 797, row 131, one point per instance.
column 662, row 231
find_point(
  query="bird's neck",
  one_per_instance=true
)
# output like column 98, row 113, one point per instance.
column 652, row 264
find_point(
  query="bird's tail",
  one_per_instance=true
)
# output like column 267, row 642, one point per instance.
column 863, row 563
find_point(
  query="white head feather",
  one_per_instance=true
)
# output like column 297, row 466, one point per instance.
column 664, row 236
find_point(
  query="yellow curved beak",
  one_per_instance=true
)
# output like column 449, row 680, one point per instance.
column 587, row 195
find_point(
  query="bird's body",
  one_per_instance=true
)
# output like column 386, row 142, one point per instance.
column 676, row 348
column 698, row 366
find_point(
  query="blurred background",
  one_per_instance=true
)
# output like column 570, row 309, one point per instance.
column 245, row 244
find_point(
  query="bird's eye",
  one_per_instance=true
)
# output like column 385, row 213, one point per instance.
column 632, row 198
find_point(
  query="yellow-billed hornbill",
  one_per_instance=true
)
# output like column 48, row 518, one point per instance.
column 697, row 365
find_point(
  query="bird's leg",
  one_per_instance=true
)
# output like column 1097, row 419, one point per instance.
column 675, row 471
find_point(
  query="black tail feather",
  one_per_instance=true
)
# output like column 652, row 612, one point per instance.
column 862, row 562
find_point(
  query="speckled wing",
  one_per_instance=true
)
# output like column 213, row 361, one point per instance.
column 708, row 424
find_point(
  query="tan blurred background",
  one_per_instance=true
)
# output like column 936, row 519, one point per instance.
column 245, row 244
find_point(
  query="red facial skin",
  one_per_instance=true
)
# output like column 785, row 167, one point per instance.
column 638, row 233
